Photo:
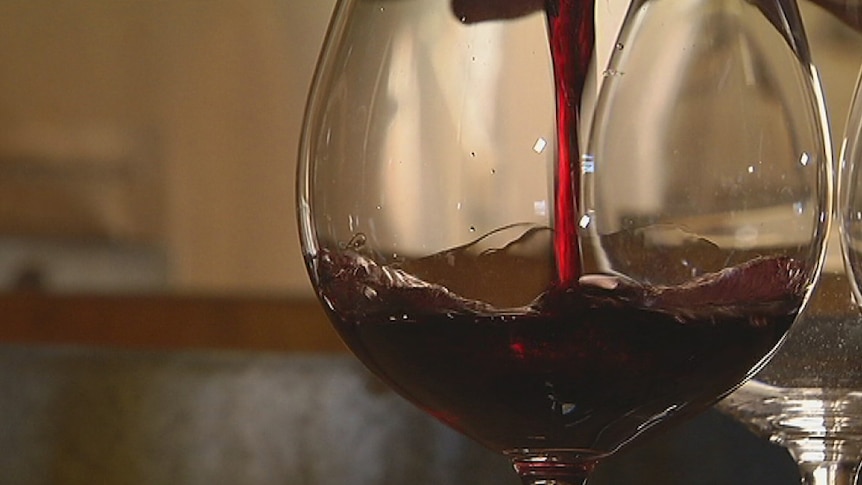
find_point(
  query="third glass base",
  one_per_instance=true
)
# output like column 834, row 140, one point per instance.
column 821, row 428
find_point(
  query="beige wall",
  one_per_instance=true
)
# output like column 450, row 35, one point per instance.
column 235, row 79
column 215, row 90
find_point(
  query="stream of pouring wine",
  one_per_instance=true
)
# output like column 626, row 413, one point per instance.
column 571, row 27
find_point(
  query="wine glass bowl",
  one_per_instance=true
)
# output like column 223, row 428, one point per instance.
column 729, row 143
column 550, row 306
column 808, row 399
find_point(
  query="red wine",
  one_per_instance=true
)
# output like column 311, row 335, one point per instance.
column 571, row 27
column 581, row 367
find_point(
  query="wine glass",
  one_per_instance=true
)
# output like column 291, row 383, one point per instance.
column 851, row 192
column 556, row 305
column 837, row 388
column 809, row 397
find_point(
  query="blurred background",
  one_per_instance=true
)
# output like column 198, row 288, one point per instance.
column 157, row 323
column 151, row 146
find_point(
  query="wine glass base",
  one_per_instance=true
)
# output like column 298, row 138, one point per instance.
column 821, row 428
column 554, row 466
column 830, row 473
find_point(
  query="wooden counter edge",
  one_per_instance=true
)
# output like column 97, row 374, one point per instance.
column 255, row 323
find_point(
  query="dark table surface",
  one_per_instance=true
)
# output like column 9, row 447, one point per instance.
column 76, row 415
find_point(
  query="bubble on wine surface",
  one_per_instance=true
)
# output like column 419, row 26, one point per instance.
column 357, row 241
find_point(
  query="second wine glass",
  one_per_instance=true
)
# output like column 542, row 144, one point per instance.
column 809, row 398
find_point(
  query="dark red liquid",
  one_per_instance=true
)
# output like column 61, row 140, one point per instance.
column 580, row 368
column 572, row 39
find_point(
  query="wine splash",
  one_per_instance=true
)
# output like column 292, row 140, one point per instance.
column 580, row 367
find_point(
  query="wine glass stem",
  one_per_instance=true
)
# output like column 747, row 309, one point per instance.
column 554, row 481
column 553, row 467
column 829, row 473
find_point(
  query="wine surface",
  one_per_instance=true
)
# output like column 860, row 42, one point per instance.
column 585, row 366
